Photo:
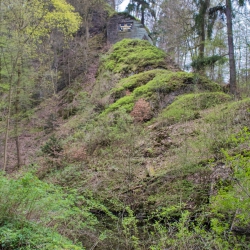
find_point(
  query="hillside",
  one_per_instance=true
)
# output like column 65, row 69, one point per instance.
column 143, row 156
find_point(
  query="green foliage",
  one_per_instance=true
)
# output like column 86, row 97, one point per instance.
column 187, row 107
column 28, row 198
column 130, row 230
column 28, row 206
column 27, row 236
column 189, row 232
column 133, row 55
column 201, row 63
column 61, row 16
column 232, row 202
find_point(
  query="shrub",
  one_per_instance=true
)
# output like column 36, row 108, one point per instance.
column 27, row 236
column 52, row 147
column 29, row 198
column 141, row 111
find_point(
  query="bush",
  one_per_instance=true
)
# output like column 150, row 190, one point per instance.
column 52, row 147
column 27, row 236
column 28, row 198
column 141, row 111
column 29, row 206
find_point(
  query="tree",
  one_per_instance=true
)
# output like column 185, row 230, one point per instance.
column 200, row 24
column 227, row 10
column 141, row 7
column 23, row 27
column 173, row 30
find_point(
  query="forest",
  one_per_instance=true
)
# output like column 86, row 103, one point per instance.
column 132, row 145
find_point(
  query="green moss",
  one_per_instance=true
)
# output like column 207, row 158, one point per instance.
column 204, row 83
column 125, row 15
column 186, row 107
column 234, row 111
column 133, row 55
column 162, row 82
column 126, row 103
column 134, row 81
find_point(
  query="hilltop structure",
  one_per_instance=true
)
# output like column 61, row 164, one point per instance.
column 123, row 25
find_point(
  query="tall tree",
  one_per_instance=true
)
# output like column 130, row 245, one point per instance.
column 141, row 7
column 173, row 30
column 227, row 10
column 200, row 24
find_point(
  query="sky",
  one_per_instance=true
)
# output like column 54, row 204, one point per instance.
column 123, row 5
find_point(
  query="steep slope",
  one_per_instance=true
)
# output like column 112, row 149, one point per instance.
column 146, row 159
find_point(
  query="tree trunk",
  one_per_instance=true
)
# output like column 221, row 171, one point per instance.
column 232, row 81
column 16, row 116
column 204, row 5
column 142, row 16
column 7, row 131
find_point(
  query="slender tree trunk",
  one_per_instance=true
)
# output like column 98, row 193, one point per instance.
column 7, row 130
column 142, row 16
column 202, row 36
column 204, row 5
column 232, row 81
column 19, row 162
column 86, row 40
column 246, row 62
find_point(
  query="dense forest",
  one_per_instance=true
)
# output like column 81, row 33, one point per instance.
column 131, row 145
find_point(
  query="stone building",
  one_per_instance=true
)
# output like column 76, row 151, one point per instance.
column 123, row 25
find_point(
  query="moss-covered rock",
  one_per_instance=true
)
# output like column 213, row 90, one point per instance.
column 134, row 81
column 133, row 55
column 187, row 107
column 159, row 87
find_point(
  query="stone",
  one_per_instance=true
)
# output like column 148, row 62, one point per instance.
column 122, row 25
